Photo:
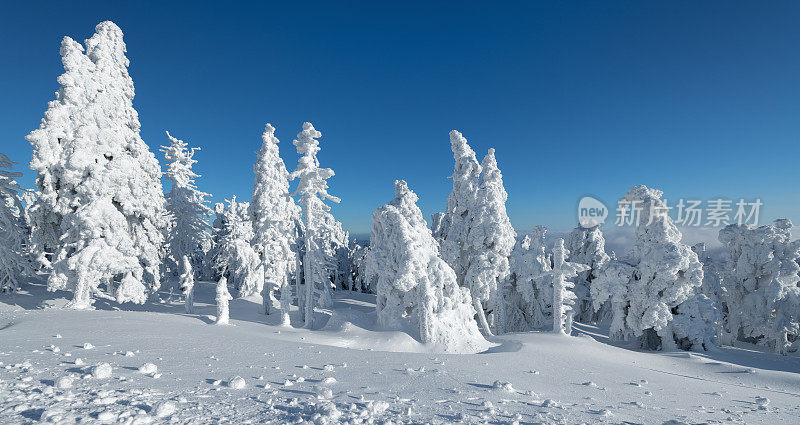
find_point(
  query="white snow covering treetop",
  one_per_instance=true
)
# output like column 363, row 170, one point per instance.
column 416, row 290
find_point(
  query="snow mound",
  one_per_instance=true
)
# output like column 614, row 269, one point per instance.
column 102, row 371
column 237, row 383
column 148, row 369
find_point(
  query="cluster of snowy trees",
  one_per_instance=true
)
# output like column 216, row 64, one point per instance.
column 98, row 225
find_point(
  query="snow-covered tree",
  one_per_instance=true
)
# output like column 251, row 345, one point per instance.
column 490, row 240
column 712, row 287
column 657, row 276
column 563, row 297
column 186, row 206
column 587, row 246
column 454, row 226
column 762, row 284
column 100, row 207
column 187, row 284
column 274, row 215
column 233, row 254
column 15, row 262
column 416, row 290
column 312, row 189
column 531, row 295
column 223, row 300
column 358, row 264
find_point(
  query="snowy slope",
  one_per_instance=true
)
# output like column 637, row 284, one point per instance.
column 349, row 371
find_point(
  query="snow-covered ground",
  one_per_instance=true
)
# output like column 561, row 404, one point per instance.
column 154, row 363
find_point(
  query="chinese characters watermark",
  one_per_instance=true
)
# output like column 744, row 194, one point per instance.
column 686, row 212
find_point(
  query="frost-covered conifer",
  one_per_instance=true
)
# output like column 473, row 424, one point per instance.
column 223, row 300
column 100, row 207
column 587, row 246
column 187, row 284
column 531, row 295
column 713, row 288
column 762, row 284
column 657, row 276
column 490, row 240
column 358, row 263
column 15, row 262
column 563, row 297
column 274, row 215
column 312, row 189
column 186, row 206
column 233, row 252
column 455, row 224
column 417, row 290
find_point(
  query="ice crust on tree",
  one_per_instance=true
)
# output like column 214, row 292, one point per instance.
column 223, row 302
column 15, row 259
column 274, row 216
column 187, row 284
column 656, row 277
column 762, row 285
column 100, row 209
column 587, row 246
column 312, row 189
column 417, row 291
column 187, row 207
column 490, row 240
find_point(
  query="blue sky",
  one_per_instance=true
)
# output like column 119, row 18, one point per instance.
column 700, row 99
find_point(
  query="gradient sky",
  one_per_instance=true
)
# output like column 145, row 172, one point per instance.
column 699, row 99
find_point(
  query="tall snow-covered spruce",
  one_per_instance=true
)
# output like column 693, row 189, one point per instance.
column 100, row 207
column 312, row 189
column 490, row 239
column 416, row 290
column 454, row 225
column 187, row 207
column 15, row 258
column 658, row 275
column 274, row 215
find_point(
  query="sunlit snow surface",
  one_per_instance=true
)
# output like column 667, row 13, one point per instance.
column 170, row 367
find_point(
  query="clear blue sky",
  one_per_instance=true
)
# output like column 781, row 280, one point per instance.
column 700, row 99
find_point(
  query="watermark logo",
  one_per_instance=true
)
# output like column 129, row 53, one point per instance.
column 591, row 212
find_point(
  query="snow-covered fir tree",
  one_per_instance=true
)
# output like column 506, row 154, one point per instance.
column 100, row 207
column 15, row 259
column 563, row 296
column 358, row 267
column 531, row 295
column 187, row 283
column 647, row 286
column 416, row 289
column 587, row 246
column 762, row 285
column 312, row 189
column 187, row 207
column 274, row 215
column 490, row 240
column 233, row 254
column 712, row 287
column 454, row 225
